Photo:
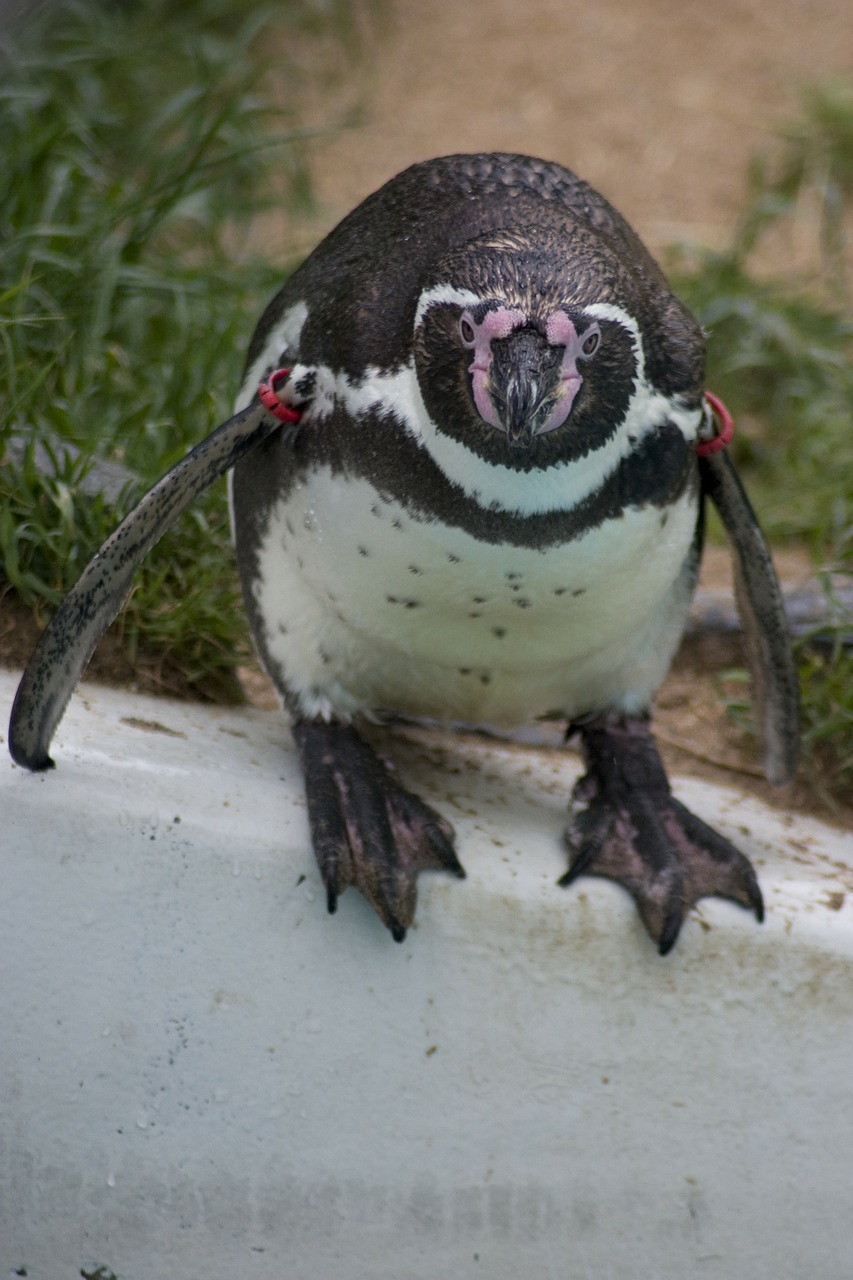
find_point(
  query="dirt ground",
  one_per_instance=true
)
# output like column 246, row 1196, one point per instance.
column 658, row 103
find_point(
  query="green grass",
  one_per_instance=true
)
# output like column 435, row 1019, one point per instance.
column 138, row 145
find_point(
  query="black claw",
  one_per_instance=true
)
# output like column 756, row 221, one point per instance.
column 669, row 933
column 628, row 827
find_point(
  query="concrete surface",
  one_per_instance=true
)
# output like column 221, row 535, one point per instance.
column 205, row 1076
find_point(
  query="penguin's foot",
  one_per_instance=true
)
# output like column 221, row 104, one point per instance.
column 366, row 829
column 626, row 825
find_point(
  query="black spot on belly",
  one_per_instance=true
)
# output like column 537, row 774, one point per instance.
column 452, row 558
column 664, row 516
column 500, row 632
column 522, row 602
column 413, row 568
column 289, row 527
column 396, row 524
column 560, row 591
column 475, row 613
column 362, row 551
column 485, row 679
column 464, row 671
column 375, row 510
column 479, row 599
column 282, row 629
column 406, row 602
column 513, row 577
column 581, row 591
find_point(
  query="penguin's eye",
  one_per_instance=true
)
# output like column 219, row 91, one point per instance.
column 466, row 331
column 590, row 344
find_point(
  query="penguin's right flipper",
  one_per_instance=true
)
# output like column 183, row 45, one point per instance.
column 69, row 640
column 762, row 611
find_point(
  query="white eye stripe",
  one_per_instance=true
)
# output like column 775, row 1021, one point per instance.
column 610, row 311
column 444, row 294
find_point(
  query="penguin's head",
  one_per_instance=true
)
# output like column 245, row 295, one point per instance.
column 523, row 355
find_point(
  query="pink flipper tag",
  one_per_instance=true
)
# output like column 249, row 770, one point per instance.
column 270, row 399
column 723, row 437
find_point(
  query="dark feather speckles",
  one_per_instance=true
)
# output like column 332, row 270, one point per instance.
column 406, row 601
column 362, row 551
column 453, row 559
column 499, row 632
column 413, row 568
column 304, row 386
column 522, row 602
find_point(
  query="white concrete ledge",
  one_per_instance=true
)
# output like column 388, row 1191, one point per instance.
column 206, row 1077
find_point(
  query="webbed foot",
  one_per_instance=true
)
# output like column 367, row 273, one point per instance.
column 367, row 830
column 627, row 826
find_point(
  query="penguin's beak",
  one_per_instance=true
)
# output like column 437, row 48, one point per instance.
column 525, row 386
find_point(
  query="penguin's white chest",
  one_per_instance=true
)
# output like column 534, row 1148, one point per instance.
column 366, row 609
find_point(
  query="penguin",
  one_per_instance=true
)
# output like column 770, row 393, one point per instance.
column 471, row 488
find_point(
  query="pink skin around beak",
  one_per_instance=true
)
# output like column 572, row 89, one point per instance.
column 561, row 332
column 500, row 323
column 496, row 324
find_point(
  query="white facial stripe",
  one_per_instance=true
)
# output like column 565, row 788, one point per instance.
column 284, row 335
column 397, row 392
column 610, row 311
column 560, row 486
column 444, row 293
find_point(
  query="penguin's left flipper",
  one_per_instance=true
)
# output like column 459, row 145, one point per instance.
column 767, row 640
column 69, row 640
column 627, row 826
column 367, row 830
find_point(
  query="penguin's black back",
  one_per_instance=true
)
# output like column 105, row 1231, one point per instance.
column 362, row 282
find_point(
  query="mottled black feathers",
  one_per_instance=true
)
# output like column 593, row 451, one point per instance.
column 363, row 281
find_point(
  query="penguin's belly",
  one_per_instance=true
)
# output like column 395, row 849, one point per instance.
column 365, row 608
